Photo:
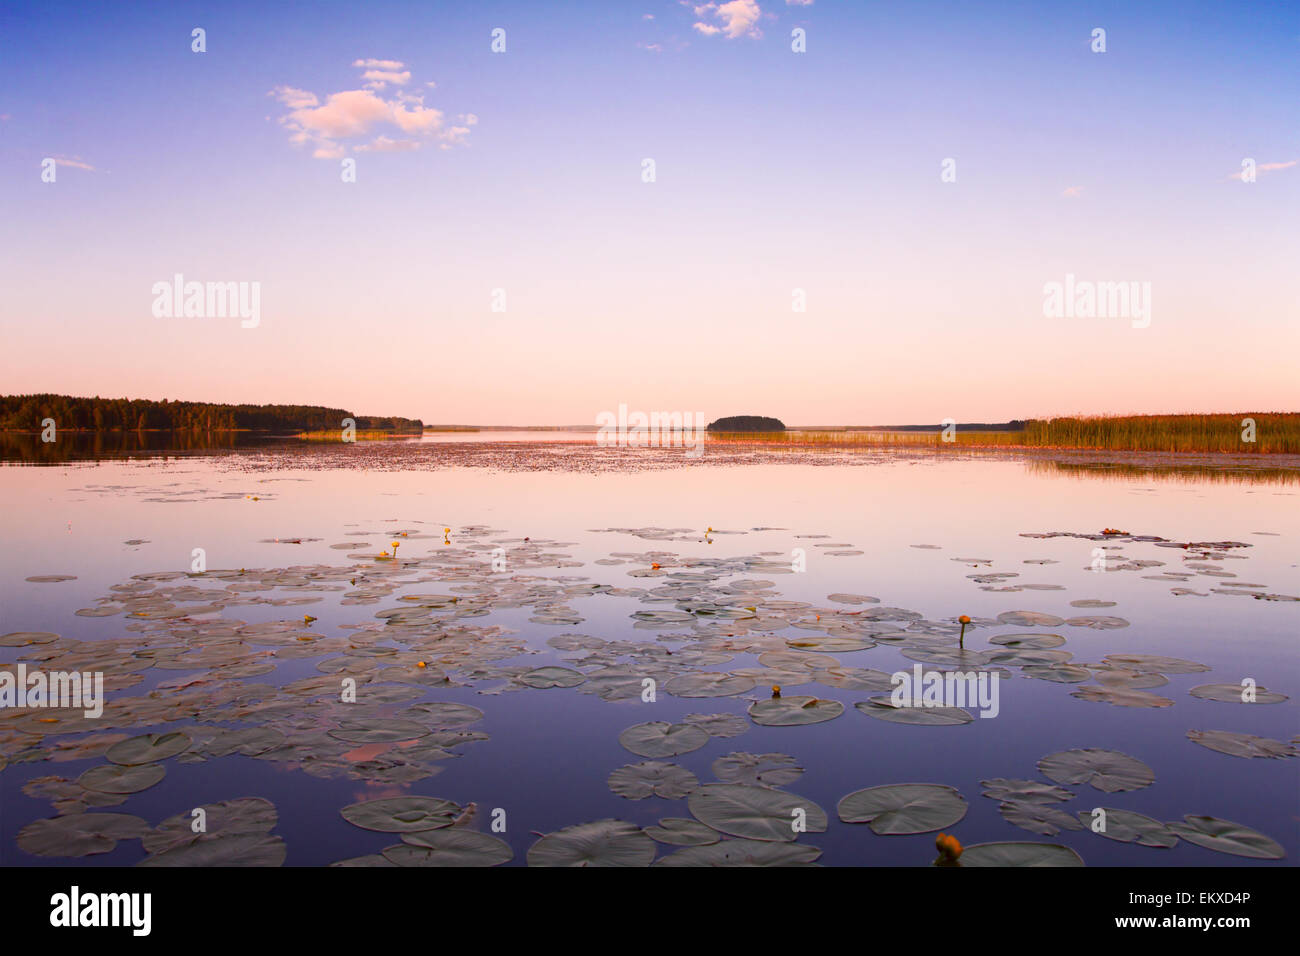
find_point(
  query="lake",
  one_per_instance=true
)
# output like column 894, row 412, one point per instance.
column 582, row 591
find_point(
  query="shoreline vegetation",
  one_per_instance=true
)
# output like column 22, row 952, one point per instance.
column 29, row 413
column 1250, row 433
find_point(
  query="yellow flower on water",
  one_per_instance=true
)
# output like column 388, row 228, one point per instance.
column 307, row 618
column 948, row 846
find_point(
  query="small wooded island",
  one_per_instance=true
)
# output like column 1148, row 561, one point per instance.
column 747, row 423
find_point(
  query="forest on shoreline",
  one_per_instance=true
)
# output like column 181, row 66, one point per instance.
column 26, row 413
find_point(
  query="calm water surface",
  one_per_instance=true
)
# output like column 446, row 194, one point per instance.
column 550, row 751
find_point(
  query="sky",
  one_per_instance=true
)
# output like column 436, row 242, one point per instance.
column 916, row 179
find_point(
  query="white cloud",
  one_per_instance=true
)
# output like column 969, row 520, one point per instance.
column 378, row 79
column 327, row 124
column 294, row 98
column 1266, row 168
column 382, row 144
column 736, row 18
column 75, row 162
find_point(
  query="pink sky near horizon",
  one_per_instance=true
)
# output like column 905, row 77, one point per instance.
column 775, row 172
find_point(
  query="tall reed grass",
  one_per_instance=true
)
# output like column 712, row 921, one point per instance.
column 1273, row 433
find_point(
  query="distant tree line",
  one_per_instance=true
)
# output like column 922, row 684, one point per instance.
column 1012, row 426
column 26, row 412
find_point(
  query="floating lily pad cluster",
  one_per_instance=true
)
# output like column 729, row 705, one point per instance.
column 217, row 691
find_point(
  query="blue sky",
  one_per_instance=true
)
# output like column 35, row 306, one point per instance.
column 774, row 171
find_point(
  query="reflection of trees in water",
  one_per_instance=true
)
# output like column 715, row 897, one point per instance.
column 1233, row 472
column 91, row 446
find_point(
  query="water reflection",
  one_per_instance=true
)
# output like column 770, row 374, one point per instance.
column 1231, row 471
column 28, row 449
column 468, row 448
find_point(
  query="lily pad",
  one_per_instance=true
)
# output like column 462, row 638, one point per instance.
column 855, row 678
column 1155, row 662
column 1024, row 791
column 442, row 714
column 1125, row 826
column 1030, row 619
column 452, row 846
column 546, row 677
column 226, row 818
column 883, row 708
column 718, row 725
column 744, row 853
column 1037, row 817
column 1019, row 854
column 766, row 770
column 1223, row 836
column 1241, row 745
column 1120, row 696
column 401, row 814
column 658, row 738
column 375, row 730
column 79, row 834
column 1107, row 770
column 652, row 778
column 683, row 831
column 709, row 684
column 901, row 808
column 755, row 813
column 602, row 843
column 1029, row 642
column 148, row 748
column 1098, row 622
column 1058, row 673
column 241, row 849
column 1235, row 694
column 114, row 778
column 794, row 711
column 27, row 638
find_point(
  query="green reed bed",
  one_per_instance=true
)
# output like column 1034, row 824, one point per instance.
column 1272, row 433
